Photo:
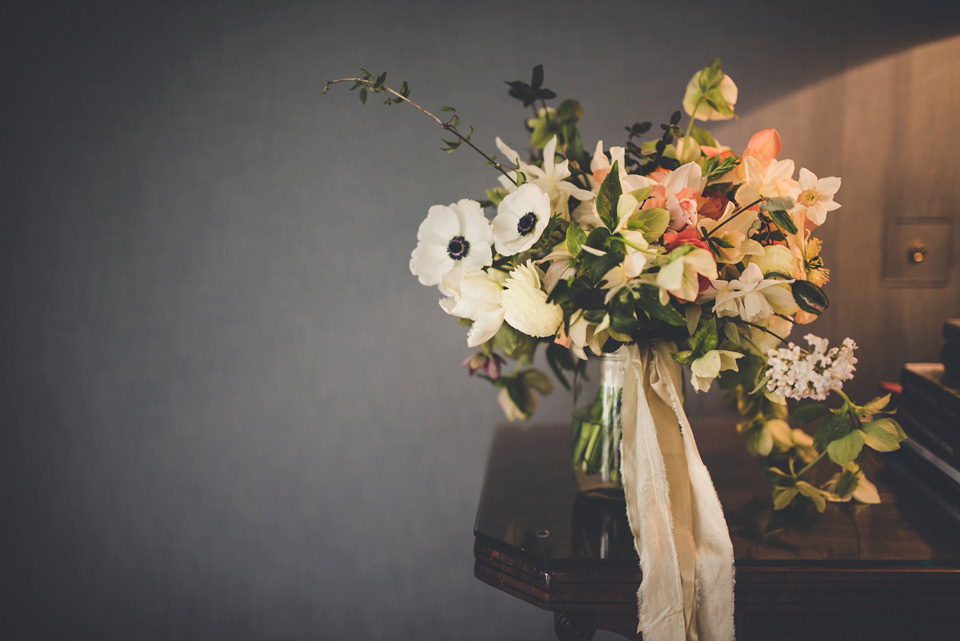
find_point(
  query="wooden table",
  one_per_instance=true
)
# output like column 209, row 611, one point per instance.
column 888, row 571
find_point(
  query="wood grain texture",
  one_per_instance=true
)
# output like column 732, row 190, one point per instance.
column 884, row 567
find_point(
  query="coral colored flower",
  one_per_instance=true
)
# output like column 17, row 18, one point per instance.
column 765, row 144
column 690, row 236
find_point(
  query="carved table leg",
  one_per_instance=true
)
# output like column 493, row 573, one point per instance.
column 571, row 626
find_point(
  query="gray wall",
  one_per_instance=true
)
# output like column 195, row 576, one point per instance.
column 228, row 411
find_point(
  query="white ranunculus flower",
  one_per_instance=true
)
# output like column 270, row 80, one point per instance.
column 525, row 304
column 521, row 218
column 452, row 240
column 476, row 297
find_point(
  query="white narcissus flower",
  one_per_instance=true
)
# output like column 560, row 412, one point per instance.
column 477, row 297
column 815, row 196
column 525, row 304
column 521, row 218
column 751, row 297
column 451, row 240
column 551, row 178
column 769, row 179
column 680, row 276
column 708, row 367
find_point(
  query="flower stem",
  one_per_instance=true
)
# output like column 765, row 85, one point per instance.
column 761, row 328
column 809, row 465
column 446, row 125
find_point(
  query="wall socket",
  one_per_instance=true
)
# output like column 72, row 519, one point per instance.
column 918, row 251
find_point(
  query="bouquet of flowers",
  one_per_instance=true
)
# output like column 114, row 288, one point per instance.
column 674, row 238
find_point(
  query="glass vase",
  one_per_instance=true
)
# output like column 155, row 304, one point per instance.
column 597, row 403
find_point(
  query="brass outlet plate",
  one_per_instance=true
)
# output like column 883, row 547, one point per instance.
column 917, row 251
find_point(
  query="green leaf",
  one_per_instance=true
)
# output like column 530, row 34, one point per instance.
column 537, row 80
column 575, row 238
column 732, row 333
column 704, row 137
column 692, row 314
column 685, row 357
column 363, row 96
column 447, row 108
column 609, row 194
column 706, row 337
column 781, row 203
column 814, row 494
column 381, row 79
column 783, row 496
column 845, row 484
column 569, row 111
column 877, row 404
column 642, row 194
column 883, row 435
column 650, row 222
column 844, row 450
column 559, row 359
column 778, row 479
column 809, row 412
column 783, row 220
column 809, row 297
column 836, row 426
column 650, row 302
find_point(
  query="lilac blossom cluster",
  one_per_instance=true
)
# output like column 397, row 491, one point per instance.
column 797, row 373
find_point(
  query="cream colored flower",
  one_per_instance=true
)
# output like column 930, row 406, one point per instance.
column 770, row 179
column 694, row 98
column 706, row 368
column 551, row 178
column 525, row 304
column 680, row 276
column 477, row 297
column 777, row 259
column 751, row 297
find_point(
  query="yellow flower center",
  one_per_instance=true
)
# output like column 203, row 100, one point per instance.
column 807, row 197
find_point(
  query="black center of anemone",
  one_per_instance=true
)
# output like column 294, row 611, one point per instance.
column 458, row 247
column 526, row 224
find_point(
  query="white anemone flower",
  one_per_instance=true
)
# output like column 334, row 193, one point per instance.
column 708, row 367
column 452, row 240
column 752, row 297
column 525, row 304
column 521, row 218
column 477, row 297
column 815, row 196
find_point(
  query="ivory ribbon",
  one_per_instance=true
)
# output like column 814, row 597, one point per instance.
column 686, row 555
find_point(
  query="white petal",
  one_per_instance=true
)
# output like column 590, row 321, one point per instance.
column 430, row 263
column 440, row 225
column 484, row 328
column 828, row 186
column 807, row 179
